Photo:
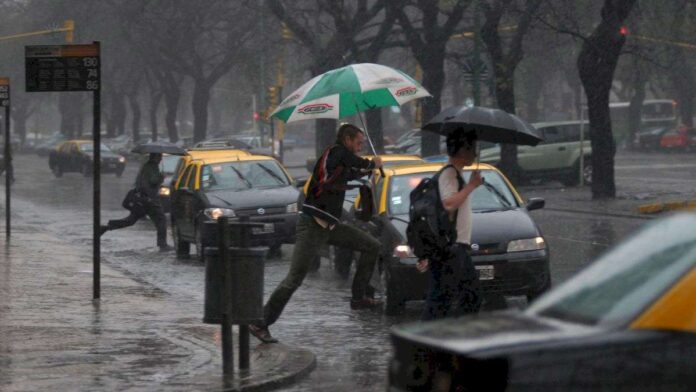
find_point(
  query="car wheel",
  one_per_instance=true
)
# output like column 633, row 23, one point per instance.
column 57, row 171
column 183, row 248
column 573, row 178
column 86, row 170
column 342, row 260
column 587, row 172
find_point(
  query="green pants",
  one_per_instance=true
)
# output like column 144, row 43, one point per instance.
column 309, row 238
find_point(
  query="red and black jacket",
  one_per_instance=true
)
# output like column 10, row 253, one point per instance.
column 327, row 188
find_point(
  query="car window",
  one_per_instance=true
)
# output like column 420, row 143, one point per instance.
column 184, row 177
column 89, row 147
column 169, row 164
column 191, row 180
column 552, row 135
column 625, row 281
column 243, row 175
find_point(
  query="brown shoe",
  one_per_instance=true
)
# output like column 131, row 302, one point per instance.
column 262, row 334
column 365, row 303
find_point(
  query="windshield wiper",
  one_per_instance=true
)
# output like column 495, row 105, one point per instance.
column 500, row 196
column 272, row 174
column 241, row 177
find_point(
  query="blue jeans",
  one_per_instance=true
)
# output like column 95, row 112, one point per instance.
column 454, row 288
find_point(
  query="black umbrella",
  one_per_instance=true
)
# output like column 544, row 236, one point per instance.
column 492, row 125
column 159, row 147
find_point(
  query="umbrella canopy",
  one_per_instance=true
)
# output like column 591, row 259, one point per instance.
column 492, row 125
column 159, row 147
column 343, row 92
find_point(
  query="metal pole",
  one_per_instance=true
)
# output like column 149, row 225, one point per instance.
column 243, row 329
column 8, row 169
column 96, row 177
column 582, row 142
column 226, row 332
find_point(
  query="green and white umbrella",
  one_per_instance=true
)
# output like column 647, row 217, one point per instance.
column 346, row 91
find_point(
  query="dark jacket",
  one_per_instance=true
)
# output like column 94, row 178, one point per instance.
column 327, row 188
column 149, row 179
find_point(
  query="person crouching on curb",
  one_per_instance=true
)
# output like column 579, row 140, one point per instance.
column 320, row 223
column 453, row 284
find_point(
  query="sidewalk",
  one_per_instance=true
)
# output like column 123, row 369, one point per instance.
column 53, row 336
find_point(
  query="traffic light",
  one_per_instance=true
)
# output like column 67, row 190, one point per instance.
column 69, row 28
column 273, row 96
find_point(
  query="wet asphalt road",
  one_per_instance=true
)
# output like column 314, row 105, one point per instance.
column 352, row 348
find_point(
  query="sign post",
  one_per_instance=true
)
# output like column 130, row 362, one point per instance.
column 73, row 68
column 9, row 172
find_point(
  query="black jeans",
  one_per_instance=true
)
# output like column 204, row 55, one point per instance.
column 156, row 214
column 454, row 288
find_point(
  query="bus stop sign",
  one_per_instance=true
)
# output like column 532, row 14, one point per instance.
column 62, row 68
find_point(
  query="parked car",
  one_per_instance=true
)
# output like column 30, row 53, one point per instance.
column 508, row 248
column 681, row 138
column 625, row 323
column 557, row 157
column 404, row 142
column 649, row 139
column 255, row 186
column 77, row 156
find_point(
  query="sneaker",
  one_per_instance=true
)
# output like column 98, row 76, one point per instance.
column 365, row 303
column 166, row 248
column 262, row 334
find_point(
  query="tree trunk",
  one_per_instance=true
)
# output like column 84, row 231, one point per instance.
column 136, row 115
column 433, row 81
column 155, row 99
column 172, row 95
column 201, row 98
column 683, row 79
column 20, row 115
column 373, row 122
column 66, row 107
column 505, row 94
column 596, row 65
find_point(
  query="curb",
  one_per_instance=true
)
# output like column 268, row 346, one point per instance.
column 654, row 208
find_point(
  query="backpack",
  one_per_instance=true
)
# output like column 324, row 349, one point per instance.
column 430, row 232
column 135, row 201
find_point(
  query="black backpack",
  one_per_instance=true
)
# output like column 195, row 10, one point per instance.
column 430, row 232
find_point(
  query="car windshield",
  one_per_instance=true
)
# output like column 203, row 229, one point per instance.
column 243, row 175
column 625, row 281
column 168, row 164
column 496, row 196
column 89, row 147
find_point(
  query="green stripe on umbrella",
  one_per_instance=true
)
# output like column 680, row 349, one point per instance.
column 346, row 91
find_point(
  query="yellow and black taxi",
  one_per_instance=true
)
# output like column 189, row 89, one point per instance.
column 254, row 186
column 507, row 246
column 77, row 156
column 173, row 165
column 625, row 323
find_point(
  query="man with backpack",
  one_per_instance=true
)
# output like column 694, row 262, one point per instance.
column 441, row 236
column 319, row 223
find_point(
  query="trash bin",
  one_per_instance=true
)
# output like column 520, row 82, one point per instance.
column 246, row 288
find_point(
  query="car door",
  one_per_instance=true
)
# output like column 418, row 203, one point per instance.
column 182, row 203
column 546, row 154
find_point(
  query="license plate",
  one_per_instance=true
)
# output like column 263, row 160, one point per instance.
column 486, row 272
column 266, row 229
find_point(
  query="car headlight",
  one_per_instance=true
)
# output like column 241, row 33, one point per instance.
column 526, row 244
column 291, row 208
column 215, row 213
column 164, row 191
column 403, row 251
column 122, row 159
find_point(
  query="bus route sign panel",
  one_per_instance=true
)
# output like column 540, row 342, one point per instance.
column 4, row 92
column 62, row 68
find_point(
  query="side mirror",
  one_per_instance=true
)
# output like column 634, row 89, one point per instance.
column 535, row 203
column 300, row 182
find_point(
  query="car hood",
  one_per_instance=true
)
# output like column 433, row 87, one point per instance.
column 254, row 197
column 492, row 227
column 487, row 334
